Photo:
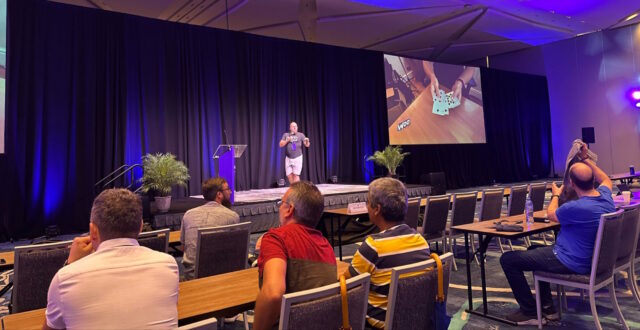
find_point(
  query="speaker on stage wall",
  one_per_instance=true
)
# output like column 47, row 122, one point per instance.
column 588, row 135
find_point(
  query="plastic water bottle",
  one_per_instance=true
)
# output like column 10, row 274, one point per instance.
column 528, row 212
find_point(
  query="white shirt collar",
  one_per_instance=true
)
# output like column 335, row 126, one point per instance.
column 115, row 242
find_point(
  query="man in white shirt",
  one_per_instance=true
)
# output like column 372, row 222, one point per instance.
column 109, row 281
column 216, row 212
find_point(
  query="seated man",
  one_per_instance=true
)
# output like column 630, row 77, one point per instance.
column 573, row 250
column 216, row 212
column 295, row 256
column 109, row 281
column 396, row 245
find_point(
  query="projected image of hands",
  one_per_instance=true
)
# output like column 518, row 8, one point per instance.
column 433, row 103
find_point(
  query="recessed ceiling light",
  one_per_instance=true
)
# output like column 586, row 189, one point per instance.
column 632, row 16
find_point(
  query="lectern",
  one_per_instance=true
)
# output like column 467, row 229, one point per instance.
column 224, row 160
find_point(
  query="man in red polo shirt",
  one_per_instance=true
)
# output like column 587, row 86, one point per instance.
column 295, row 256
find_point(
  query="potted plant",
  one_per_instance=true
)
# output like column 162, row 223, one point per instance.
column 161, row 173
column 391, row 157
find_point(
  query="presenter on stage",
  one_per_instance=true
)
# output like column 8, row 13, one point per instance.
column 293, row 141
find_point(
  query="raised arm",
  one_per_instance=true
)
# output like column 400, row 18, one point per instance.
column 553, row 203
column 284, row 141
column 598, row 174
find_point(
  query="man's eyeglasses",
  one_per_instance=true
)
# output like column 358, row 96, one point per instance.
column 280, row 202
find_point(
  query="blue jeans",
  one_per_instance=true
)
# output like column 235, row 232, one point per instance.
column 537, row 257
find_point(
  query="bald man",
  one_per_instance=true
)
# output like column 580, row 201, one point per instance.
column 573, row 250
column 293, row 142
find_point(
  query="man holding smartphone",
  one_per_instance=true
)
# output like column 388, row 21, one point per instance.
column 573, row 250
column 293, row 141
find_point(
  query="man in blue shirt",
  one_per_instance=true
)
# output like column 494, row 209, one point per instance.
column 573, row 251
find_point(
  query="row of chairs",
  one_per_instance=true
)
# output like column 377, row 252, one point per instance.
column 412, row 296
column 435, row 227
column 617, row 249
column 219, row 250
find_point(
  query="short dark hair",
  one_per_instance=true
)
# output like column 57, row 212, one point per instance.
column 117, row 213
column 211, row 187
column 392, row 197
column 308, row 203
column 580, row 183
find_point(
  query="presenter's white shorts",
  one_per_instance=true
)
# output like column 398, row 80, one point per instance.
column 293, row 165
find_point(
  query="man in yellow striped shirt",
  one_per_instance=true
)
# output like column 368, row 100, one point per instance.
column 396, row 245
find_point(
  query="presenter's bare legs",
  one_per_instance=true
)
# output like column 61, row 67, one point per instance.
column 293, row 178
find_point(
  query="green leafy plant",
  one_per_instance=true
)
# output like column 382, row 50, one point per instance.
column 391, row 157
column 162, row 172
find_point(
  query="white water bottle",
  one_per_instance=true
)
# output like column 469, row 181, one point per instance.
column 528, row 211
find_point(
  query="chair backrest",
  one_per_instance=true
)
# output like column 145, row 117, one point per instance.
column 606, row 246
column 536, row 194
column 435, row 215
column 222, row 249
column 414, row 296
column 629, row 234
column 491, row 204
column 321, row 308
column 34, row 267
column 157, row 240
column 464, row 208
column 517, row 200
column 413, row 212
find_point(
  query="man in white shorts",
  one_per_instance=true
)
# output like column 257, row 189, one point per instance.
column 293, row 141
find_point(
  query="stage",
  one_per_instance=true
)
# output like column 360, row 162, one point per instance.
column 258, row 206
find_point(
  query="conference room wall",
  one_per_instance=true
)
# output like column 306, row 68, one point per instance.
column 589, row 78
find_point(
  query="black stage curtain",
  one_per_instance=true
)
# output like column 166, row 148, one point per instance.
column 90, row 90
column 518, row 131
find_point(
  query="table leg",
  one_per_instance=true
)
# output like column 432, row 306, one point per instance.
column 468, row 263
column 331, row 234
column 481, row 252
column 340, row 238
column 482, row 249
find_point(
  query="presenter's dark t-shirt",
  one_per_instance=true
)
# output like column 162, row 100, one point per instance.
column 294, row 148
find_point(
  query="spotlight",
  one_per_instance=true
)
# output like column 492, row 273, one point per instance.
column 636, row 95
column 630, row 17
column 638, row 105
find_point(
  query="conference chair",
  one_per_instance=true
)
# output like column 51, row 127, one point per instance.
column 222, row 249
column 602, row 265
column 463, row 210
column 413, row 296
column 516, row 206
column 321, row 308
column 537, row 192
column 413, row 212
column 33, row 270
column 434, row 224
column 628, row 245
column 157, row 240
column 208, row 324
column 491, row 207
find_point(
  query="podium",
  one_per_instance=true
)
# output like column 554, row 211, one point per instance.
column 224, row 160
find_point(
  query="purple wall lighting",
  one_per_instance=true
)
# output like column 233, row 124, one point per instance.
column 634, row 95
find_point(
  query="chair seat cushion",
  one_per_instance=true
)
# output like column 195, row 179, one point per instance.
column 578, row 278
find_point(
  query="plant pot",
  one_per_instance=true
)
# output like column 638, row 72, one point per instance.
column 163, row 203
